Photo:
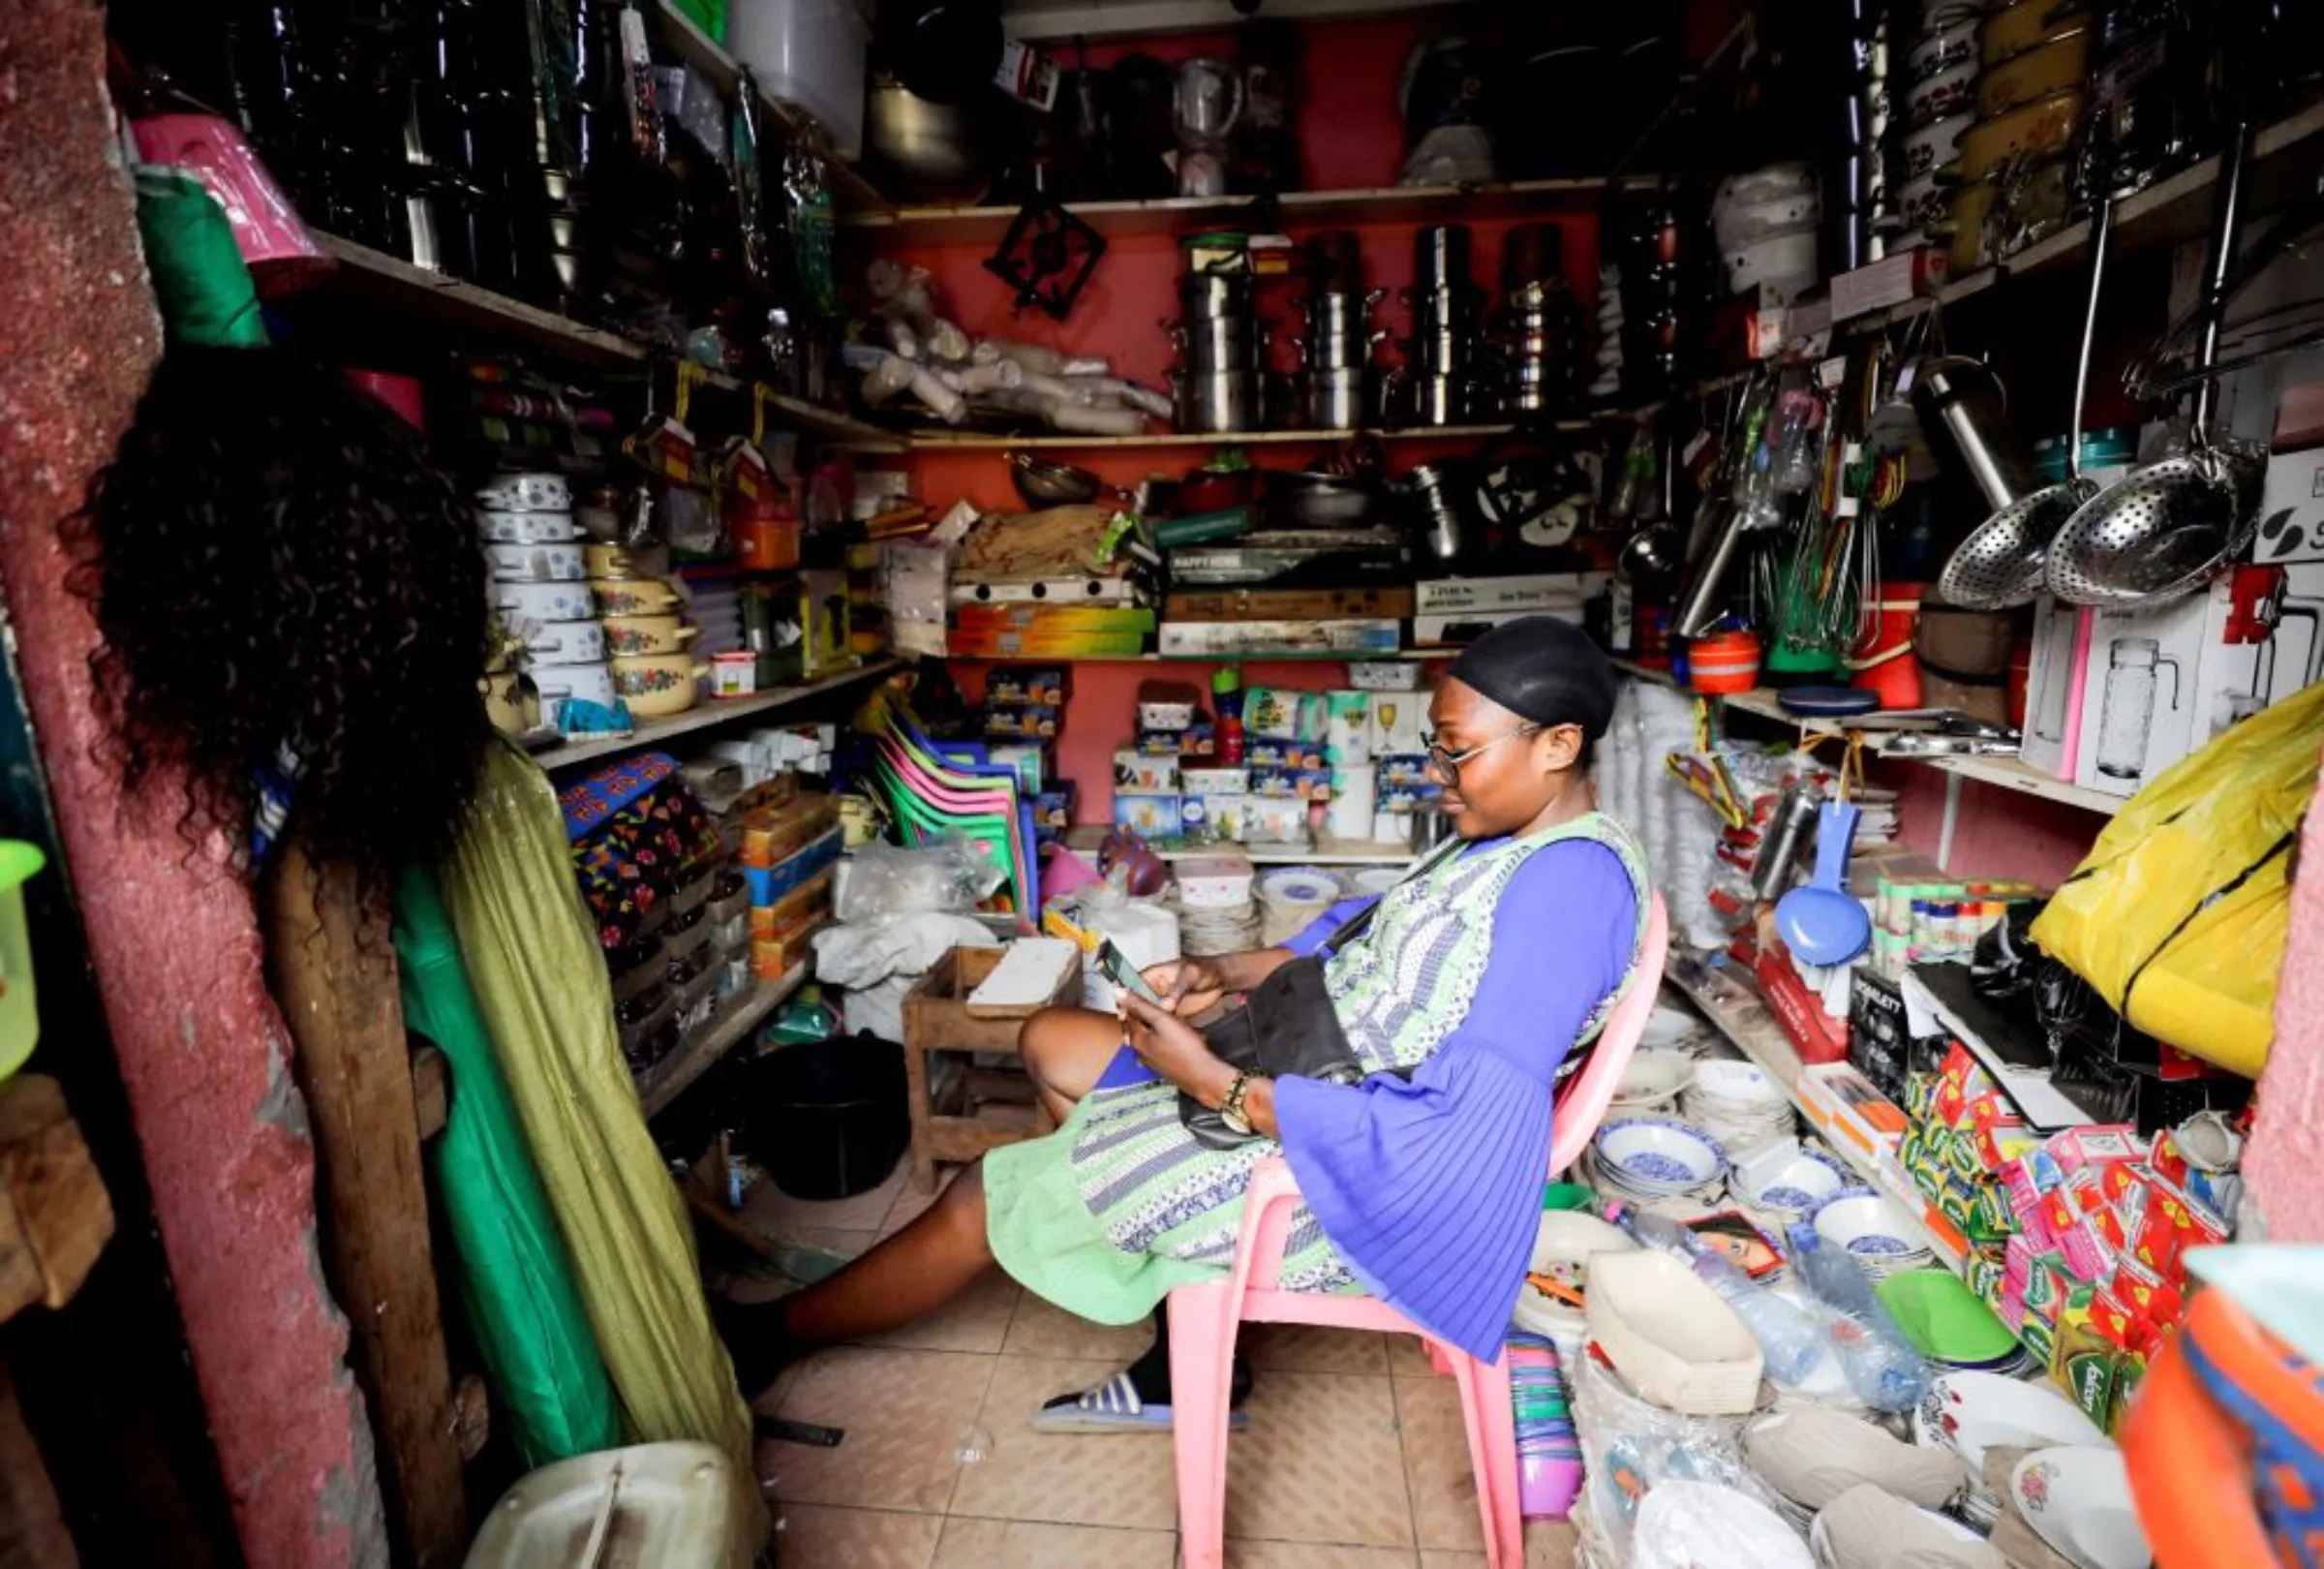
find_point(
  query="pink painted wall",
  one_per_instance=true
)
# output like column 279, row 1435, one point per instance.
column 2285, row 1162
column 1998, row 833
column 173, row 939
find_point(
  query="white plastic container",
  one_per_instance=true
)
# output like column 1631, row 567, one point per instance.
column 808, row 52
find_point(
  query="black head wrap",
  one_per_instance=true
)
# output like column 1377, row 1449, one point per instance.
column 1542, row 669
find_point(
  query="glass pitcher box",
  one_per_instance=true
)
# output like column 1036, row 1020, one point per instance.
column 2140, row 693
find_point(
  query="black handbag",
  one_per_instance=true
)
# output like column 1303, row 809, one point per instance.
column 1287, row 1028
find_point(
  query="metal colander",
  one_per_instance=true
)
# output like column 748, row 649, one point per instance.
column 2159, row 532
column 1999, row 564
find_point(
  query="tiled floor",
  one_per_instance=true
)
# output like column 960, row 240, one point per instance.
column 1355, row 1457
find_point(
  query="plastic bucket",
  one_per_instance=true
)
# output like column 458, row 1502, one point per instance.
column 20, row 1011
column 827, row 1119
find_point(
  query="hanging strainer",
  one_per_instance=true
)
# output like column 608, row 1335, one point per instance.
column 2163, row 530
column 1999, row 564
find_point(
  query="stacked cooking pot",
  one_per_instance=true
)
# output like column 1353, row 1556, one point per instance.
column 1216, row 387
column 1540, row 322
column 1336, row 389
column 1441, row 369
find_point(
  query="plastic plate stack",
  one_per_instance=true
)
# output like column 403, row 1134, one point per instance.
column 1970, row 1412
column 1737, row 1103
column 1651, row 1084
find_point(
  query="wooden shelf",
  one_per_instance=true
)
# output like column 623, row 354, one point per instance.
column 725, row 1030
column 396, row 287
column 974, row 225
column 960, row 442
column 2007, row 773
column 709, row 713
column 1342, row 655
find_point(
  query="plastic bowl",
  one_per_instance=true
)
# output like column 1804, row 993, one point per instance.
column 1873, row 1231
column 1785, row 1177
column 1660, row 1153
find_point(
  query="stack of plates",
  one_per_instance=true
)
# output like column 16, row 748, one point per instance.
column 2077, row 1498
column 1874, row 1232
column 1651, row 1083
column 1646, row 1159
column 1786, row 1181
column 1737, row 1103
column 1970, row 1412
column 1947, row 1323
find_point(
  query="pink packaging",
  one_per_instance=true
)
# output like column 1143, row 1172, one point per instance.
column 2080, row 1146
column 2086, row 1251
column 2018, row 1258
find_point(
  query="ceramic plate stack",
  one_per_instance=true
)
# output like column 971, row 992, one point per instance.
column 1651, row 1084
column 1737, row 1103
column 1970, row 1412
column 1653, row 1159
column 2077, row 1498
column 1875, row 1233
column 1784, row 1181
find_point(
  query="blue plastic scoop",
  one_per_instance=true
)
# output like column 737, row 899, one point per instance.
column 1821, row 923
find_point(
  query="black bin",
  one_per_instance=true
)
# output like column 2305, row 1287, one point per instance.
column 826, row 1118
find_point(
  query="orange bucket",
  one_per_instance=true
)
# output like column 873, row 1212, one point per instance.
column 1724, row 664
column 1884, row 664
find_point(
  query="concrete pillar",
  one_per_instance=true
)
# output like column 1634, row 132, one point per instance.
column 204, row 1057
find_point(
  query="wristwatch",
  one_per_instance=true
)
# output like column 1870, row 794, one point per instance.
column 1229, row 1110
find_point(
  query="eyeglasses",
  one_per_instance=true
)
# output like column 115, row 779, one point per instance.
column 1447, row 763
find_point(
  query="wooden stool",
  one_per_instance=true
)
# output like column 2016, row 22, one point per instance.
column 996, row 1106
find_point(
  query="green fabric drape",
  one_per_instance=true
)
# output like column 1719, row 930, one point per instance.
column 549, row 1383
column 204, row 288
column 541, row 987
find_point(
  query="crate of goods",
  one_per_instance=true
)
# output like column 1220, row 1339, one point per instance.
column 1289, row 605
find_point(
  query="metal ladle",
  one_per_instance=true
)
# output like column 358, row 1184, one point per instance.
column 2163, row 530
column 1999, row 564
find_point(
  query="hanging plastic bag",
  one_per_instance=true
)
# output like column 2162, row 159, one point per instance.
column 2178, row 915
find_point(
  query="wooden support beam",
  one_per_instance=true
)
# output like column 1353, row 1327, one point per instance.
column 431, row 1091
column 32, row 1523
column 335, row 977
column 55, row 1217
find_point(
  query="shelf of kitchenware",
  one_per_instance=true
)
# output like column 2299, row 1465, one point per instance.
column 391, row 284
column 710, row 712
column 962, row 442
column 1085, row 838
column 1240, row 656
column 2005, row 773
column 1753, row 1032
column 725, row 1030
column 677, row 33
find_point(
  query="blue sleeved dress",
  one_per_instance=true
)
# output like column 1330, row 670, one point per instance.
column 1423, row 1182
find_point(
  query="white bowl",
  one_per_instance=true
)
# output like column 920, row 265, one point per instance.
column 544, row 602
column 1971, row 1412
column 2077, row 1498
column 538, row 562
column 1868, row 1227
column 1737, row 1083
column 1786, row 1178
column 526, row 528
column 1660, row 1154
column 527, row 493
column 1561, row 1249
column 1654, row 1077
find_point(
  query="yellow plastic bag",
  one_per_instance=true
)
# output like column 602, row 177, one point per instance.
column 2178, row 915
column 540, row 985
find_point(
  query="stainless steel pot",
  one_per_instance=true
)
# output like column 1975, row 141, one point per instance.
column 1216, row 402
column 1438, row 399
column 1438, row 518
column 1216, row 293
column 1323, row 501
column 1340, row 310
column 1334, row 350
column 1337, row 399
column 1431, row 307
column 1217, row 342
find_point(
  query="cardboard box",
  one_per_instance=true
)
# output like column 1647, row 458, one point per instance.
column 1397, row 722
column 1198, row 639
column 1222, row 816
column 1287, row 604
column 1532, row 595
column 1149, row 816
column 769, row 886
column 2054, row 685
column 2138, row 694
column 2246, row 665
column 1464, row 626
column 1138, row 773
column 2291, row 509
column 1276, row 821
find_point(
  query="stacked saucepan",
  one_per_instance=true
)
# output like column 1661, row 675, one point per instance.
column 1336, row 387
column 541, row 593
column 1441, row 369
column 1541, row 325
column 1216, row 387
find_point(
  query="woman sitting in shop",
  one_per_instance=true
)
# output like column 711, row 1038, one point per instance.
column 1449, row 1013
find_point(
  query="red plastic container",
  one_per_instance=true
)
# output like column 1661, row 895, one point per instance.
column 1724, row 664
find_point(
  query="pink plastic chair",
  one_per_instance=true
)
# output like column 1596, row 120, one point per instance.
column 1204, row 1319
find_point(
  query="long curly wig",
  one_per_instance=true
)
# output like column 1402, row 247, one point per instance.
column 277, row 567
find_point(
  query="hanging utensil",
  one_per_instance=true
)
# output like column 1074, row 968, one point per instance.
column 1821, row 923
column 1963, row 399
column 2162, row 531
column 1999, row 564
